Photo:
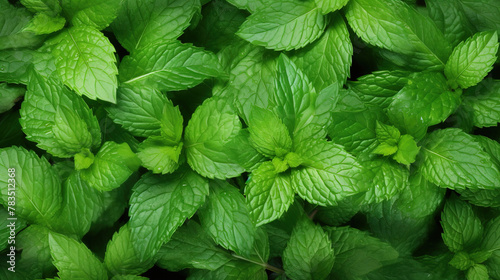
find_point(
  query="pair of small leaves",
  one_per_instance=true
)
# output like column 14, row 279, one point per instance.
column 403, row 147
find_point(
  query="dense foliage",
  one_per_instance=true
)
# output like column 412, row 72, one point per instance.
column 250, row 139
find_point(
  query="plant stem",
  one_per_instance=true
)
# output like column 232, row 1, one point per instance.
column 265, row 265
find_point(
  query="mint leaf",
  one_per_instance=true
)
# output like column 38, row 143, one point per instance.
column 420, row 198
column 268, row 134
column 212, row 126
column 87, row 62
column 328, row 173
column 233, row 270
column 483, row 102
column 451, row 19
column 462, row 229
column 121, row 257
column 482, row 14
column 45, row 24
column 51, row 7
column 327, row 6
column 38, row 188
column 6, row 229
column 14, row 66
column 34, row 242
column 74, row 260
column 477, row 272
column 407, row 150
column 93, row 13
column 157, row 156
column 66, row 124
column 169, row 67
column 112, row 166
column 226, row 218
column 12, row 35
column 9, row 95
column 386, row 179
column 191, row 247
column 430, row 100
column 309, row 253
column 328, row 59
column 357, row 253
column 472, row 59
column 139, row 24
column 393, row 25
column 163, row 203
column 388, row 136
column 268, row 193
column 283, row 25
column 453, row 159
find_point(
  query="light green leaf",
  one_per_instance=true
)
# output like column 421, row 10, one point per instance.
column 74, row 260
column 86, row 62
column 283, row 25
column 451, row 158
column 328, row 6
column 357, row 253
column 163, row 203
column 472, row 59
column 94, row 13
column 191, row 247
column 328, row 173
column 425, row 101
column 143, row 23
column 81, row 205
column 397, row 27
column 169, row 66
column 268, row 193
column 478, row 272
column 43, row 23
column 462, row 229
column 226, row 218
column 250, row 5
column 50, row 7
column 47, row 111
column 327, row 60
column 385, row 179
column 34, row 243
column 388, row 138
column 121, row 257
column 142, row 111
column 156, row 155
column 483, row 101
column 212, row 126
column 6, row 228
column 112, row 166
column 268, row 134
column 38, row 188
column 407, row 150
column 309, row 253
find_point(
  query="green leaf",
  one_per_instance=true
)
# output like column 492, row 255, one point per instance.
column 156, row 155
column 37, row 186
column 128, row 277
column 483, row 101
column 393, row 25
column 86, row 62
column 268, row 193
column 407, row 150
column 13, row 21
column 163, row 203
column 191, row 247
column 34, row 242
column 140, row 24
column 309, row 253
column 50, row 7
column 212, row 126
column 450, row 158
column 43, row 23
column 328, row 173
column 328, row 6
column 388, row 136
column 250, row 5
column 74, row 260
column 9, row 95
column 462, row 229
column 121, row 257
column 491, row 238
column 425, row 101
column 14, row 66
column 268, row 134
column 233, row 270
column 112, row 166
column 450, row 18
column 143, row 110
column 93, row 13
column 81, row 205
column 483, row 14
column 328, row 59
column 385, row 179
column 57, row 119
column 472, row 59
column 357, row 253
column 477, row 272
column 169, row 67
column 283, row 25
column 6, row 228
column 226, row 218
